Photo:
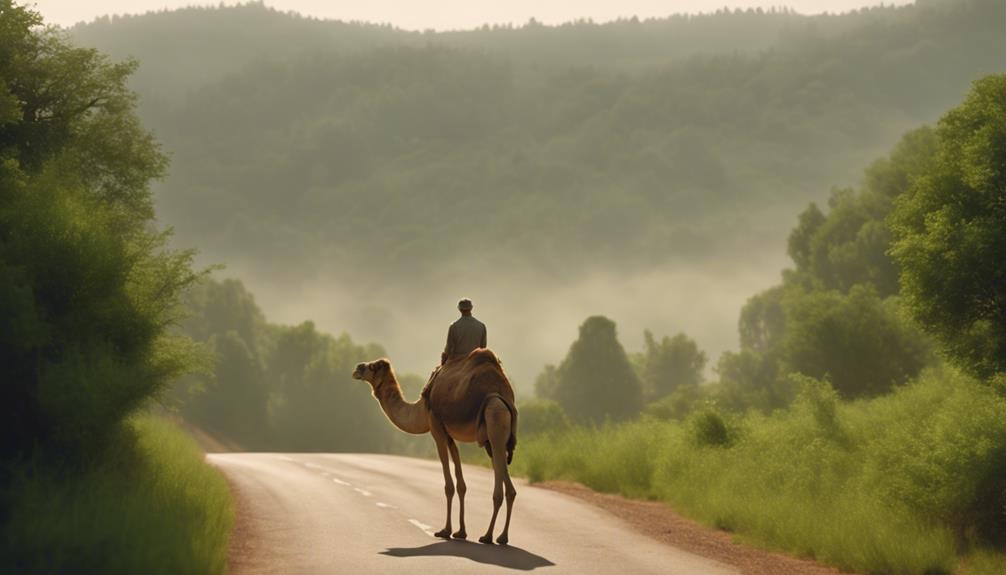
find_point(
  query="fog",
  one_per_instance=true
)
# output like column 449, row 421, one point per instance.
column 531, row 321
column 452, row 14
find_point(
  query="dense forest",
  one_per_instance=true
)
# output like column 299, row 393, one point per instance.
column 520, row 166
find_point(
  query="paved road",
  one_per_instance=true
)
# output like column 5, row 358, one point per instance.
column 354, row 514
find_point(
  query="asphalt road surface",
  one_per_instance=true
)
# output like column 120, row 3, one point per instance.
column 355, row 514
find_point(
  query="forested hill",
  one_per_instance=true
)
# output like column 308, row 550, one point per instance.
column 185, row 48
column 534, row 157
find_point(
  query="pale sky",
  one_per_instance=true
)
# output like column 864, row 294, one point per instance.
column 450, row 14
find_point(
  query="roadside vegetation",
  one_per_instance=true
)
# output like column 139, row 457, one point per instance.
column 89, row 292
column 150, row 504
column 897, row 484
column 863, row 421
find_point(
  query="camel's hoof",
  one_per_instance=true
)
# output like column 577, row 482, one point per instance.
column 443, row 533
column 503, row 539
column 459, row 535
column 487, row 539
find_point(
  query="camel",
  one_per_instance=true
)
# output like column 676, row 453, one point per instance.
column 470, row 401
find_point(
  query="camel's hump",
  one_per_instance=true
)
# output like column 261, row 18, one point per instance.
column 483, row 355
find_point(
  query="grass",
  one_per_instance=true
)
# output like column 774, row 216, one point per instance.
column 151, row 506
column 913, row 482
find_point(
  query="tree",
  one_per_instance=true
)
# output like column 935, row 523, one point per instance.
column 88, row 288
column 670, row 363
column 319, row 406
column 544, row 384
column 857, row 341
column 233, row 400
column 538, row 416
column 950, row 234
column 596, row 381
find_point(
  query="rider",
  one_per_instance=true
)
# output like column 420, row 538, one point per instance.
column 465, row 335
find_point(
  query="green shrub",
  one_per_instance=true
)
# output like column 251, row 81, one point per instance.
column 707, row 428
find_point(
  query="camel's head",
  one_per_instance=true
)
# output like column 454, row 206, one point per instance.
column 373, row 372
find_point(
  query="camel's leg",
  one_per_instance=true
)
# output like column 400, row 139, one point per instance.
column 498, row 421
column 453, row 447
column 441, row 439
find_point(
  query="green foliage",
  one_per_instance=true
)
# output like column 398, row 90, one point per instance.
column 88, row 287
column 319, row 406
column 707, row 428
column 849, row 246
column 901, row 483
column 541, row 416
column 544, row 384
column 668, row 364
column 836, row 315
column 677, row 404
column 950, row 230
column 150, row 504
column 860, row 343
column 596, row 381
column 280, row 387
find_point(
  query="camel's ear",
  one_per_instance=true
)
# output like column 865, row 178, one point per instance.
column 380, row 366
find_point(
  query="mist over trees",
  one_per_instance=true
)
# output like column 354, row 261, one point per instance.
column 837, row 314
column 279, row 387
column 291, row 156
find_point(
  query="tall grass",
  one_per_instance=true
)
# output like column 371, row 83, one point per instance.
column 150, row 506
column 899, row 484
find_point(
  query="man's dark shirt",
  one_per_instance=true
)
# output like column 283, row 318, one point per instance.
column 464, row 336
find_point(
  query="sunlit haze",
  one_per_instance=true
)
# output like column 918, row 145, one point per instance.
column 452, row 14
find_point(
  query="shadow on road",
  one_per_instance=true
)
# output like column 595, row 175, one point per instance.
column 503, row 556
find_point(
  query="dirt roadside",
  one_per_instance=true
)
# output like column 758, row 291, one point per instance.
column 660, row 522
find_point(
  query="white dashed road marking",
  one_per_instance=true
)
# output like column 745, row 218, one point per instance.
column 423, row 527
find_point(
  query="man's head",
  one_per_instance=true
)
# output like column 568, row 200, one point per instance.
column 465, row 306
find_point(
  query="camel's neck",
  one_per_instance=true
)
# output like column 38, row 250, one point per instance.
column 409, row 417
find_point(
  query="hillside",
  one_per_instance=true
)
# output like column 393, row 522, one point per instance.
column 366, row 177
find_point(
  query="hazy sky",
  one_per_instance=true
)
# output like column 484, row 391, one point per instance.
column 447, row 14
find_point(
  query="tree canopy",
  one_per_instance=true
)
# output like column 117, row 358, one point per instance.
column 596, row 381
column 950, row 233
column 88, row 291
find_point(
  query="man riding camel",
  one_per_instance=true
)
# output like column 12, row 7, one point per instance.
column 463, row 337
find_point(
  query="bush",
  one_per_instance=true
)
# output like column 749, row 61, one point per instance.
column 706, row 428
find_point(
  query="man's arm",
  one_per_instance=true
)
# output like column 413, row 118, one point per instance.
column 483, row 344
column 449, row 347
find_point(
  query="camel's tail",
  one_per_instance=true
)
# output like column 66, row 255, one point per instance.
column 511, row 443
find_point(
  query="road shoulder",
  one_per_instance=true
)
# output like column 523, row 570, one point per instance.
column 660, row 522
